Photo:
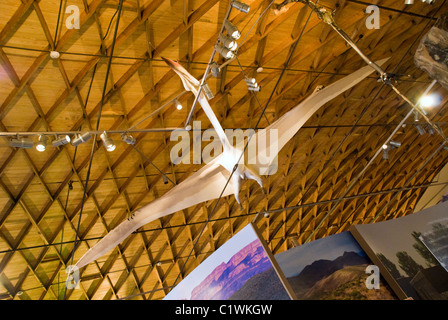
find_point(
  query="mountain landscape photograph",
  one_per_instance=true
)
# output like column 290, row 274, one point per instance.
column 238, row 270
column 330, row 268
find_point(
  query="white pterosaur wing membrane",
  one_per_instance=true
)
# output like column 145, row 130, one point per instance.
column 209, row 182
column 206, row 184
column 288, row 125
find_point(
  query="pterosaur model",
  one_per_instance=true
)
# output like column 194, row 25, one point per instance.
column 211, row 180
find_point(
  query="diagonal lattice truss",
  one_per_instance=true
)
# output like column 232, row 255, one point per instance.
column 41, row 193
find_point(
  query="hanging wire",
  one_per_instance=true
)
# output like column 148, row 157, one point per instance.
column 57, row 25
column 245, row 215
column 253, row 25
column 253, row 93
column 70, row 187
column 120, row 5
column 157, row 168
column 110, row 24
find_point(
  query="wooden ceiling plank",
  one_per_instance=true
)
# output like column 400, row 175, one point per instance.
column 16, row 17
column 192, row 18
column 98, row 209
column 44, row 25
column 31, row 72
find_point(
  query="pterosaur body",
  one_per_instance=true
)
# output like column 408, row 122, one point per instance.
column 210, row 181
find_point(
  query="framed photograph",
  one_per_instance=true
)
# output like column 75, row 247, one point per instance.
column 332, row 268
column 400, row 249
column 241, row 269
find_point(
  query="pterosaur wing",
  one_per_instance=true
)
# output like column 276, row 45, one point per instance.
column 206, row 184
column 291, row 122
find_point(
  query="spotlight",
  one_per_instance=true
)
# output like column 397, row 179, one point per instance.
column 128, row 138
column 177, row 104
column 42, row 143
column 385, row 147
column 420, row 129
column 408, row 1
column 429, row 101
column 232, row 30
column 254, row 88
column 24, row 143
column 165, row 179
column 226, row 53
column 252, row 84
column 250, row 80
column 108, row 142
column 215, row 70
column 430, row 130
column 385, row 154
column 61, row 141
column 395, row 144
column 80, row 138
column 228, row 42
column 416, row 116
column 241, row 6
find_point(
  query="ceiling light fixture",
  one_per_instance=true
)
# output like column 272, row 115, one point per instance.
column 107, row 142
column 385, row 153
column 420, row 129
column 428, row 101
column 416, row 116
column 80, row 138
column 252, row 84
column 177, row 104
column 128, row 138
column 60, row 141
column 24, row 143
column 395, row 144
column 224, row 52
column 232, row 30
column 165, row 179
column 215, row 70
column 241, row 6
column 42, row 143
column 228, row 42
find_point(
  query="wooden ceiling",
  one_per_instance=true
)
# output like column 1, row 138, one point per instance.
column 316, row 192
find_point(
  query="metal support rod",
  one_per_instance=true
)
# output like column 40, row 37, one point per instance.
column 93, row 132
column 352, row 184
column 328, row 18
column 207, row 70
